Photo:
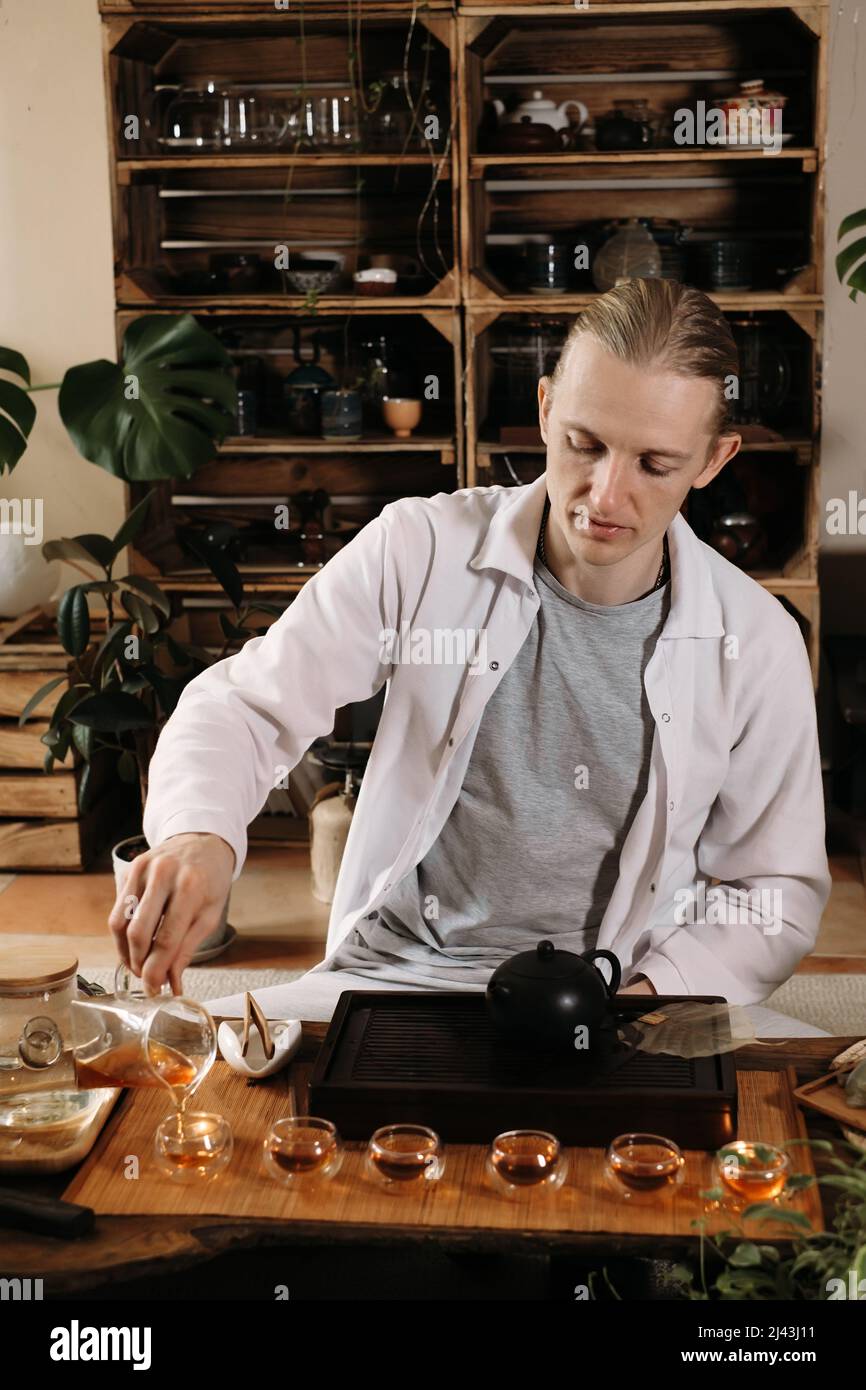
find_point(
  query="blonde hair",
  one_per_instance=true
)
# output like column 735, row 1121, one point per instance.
column 661, row 322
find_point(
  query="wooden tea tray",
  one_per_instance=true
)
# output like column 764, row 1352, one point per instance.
column 826, row 1095
column 461, row 1200
column 52, row 1148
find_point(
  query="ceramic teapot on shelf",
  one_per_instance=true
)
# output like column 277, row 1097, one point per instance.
column 539, row 110
column 629, row 125
column 541, row 997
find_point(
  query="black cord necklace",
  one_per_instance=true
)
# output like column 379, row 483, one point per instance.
column 664, row 567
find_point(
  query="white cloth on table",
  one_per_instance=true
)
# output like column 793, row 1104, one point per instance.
column 314, row 998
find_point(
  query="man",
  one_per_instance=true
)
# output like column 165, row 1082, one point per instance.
column 591, row 716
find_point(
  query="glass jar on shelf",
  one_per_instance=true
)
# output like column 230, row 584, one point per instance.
column 336, row 124
column 402, row 118
column 630, row 252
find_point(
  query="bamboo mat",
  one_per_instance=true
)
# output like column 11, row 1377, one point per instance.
column 461, row 1199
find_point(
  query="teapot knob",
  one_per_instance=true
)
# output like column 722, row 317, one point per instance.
column 545, row 949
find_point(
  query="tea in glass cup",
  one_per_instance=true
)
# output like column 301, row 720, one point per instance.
column 401, row 1156
column 639, row 1165
column 302, row 1149
column 751, row 1172
column 194, row 1147
column 522, row 1160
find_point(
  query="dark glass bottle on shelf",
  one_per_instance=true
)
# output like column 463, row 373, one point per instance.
column 251, row 383
column 373, row 366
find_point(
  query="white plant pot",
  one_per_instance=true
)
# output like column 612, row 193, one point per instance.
column 25, row 578
column 121, row 863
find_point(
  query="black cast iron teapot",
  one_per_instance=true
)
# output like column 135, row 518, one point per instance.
column 542, row 997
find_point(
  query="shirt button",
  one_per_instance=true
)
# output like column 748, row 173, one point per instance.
column 670, row 805
column 494, row 665
column 387, row 887
column 666, row 718
column 450, row 742
column 652, row 888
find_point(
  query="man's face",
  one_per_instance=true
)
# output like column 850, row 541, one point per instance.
column 625, row 444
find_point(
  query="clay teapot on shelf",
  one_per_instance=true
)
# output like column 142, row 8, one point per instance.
column 536, row 125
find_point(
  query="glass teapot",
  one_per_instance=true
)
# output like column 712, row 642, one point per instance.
column 122, row 1039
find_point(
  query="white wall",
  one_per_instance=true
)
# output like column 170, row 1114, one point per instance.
column 843, row 466
column 56, row 258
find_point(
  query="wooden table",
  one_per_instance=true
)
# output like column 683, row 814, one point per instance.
column 128, row 1248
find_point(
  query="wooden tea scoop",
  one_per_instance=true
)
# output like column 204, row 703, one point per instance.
column 253, row 1014
column 258, row 1057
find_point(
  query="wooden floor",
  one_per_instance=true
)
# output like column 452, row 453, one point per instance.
column 281, row 925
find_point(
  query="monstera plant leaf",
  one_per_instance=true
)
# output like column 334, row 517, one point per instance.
column 157, row 413
column 853, row 255
column 17, row 411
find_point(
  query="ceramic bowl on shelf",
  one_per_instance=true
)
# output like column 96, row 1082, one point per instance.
column 376, row 280
column 314, row 272
column 402, row 414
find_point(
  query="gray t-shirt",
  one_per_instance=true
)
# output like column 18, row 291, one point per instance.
column 557, row 772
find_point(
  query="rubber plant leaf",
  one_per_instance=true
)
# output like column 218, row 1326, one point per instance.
column 73, row 621
column 218, row 562
column 38, row 696
column 152, row 592
column 158, row 412
column 132, row 524
column 113, row 713
column 68, row 548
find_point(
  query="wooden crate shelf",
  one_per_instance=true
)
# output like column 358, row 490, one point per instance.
column 277, row 160
column 217, row 11
column 539, row 9
column 480, row 163
column 153, row 211
column 289, row 582
column 140, row 289
column 673, row 57
column 40, row 823
column 747, row 301
column 257, row 446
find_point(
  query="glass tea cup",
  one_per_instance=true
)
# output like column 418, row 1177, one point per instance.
column 643, row 1165
column 194, row 1147
column 301, row 1150
column 749, row 1171
column 525, row 1160
column 403, row 1157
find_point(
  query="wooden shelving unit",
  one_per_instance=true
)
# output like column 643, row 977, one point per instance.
column 672, row 54
column 170, row 208
column 174, row 210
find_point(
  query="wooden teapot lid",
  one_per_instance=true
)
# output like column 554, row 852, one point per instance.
column 41, row 964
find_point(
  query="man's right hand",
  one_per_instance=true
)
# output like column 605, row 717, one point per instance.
column 183, row 883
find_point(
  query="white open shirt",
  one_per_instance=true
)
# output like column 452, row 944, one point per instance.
column 734, row 790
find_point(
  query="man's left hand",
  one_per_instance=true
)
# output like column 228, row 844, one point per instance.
column 640, row 985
